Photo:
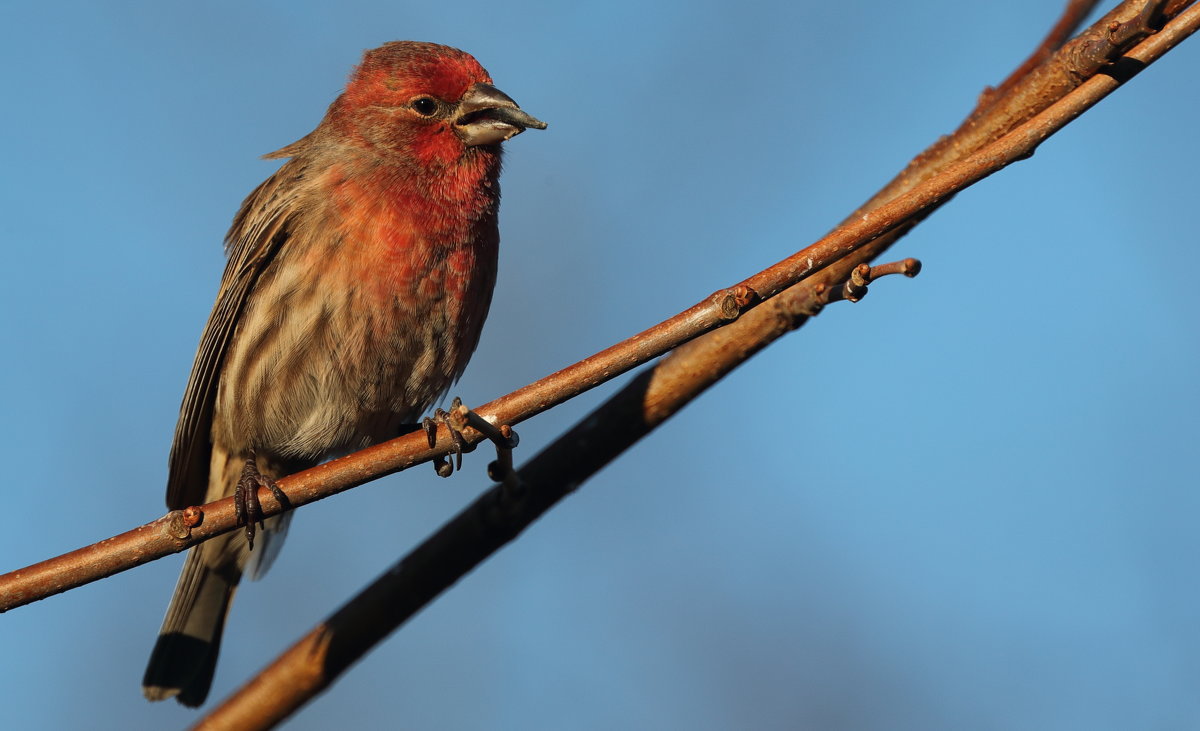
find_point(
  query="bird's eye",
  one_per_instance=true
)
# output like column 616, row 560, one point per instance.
column 423, row 105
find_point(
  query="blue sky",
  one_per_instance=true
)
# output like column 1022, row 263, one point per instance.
column 982, row 517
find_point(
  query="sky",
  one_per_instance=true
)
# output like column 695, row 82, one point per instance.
column 968, row 501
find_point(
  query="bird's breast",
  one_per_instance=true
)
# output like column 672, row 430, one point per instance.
column 364, row 320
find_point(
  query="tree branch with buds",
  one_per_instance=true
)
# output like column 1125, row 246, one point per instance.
column 1061, row 80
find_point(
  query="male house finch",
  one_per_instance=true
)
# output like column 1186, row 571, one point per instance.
column 359, row 276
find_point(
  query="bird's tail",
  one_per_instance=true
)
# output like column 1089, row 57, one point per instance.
column 185, row 655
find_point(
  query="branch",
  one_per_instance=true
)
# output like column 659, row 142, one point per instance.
column 1073, row 15
column 870, row 227
column 501, row 513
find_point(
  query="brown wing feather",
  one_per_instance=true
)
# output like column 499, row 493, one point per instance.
column 259, row 230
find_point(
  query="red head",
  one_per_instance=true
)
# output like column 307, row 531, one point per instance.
column 424, row 103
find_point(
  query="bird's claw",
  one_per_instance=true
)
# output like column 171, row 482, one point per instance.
column 457, row 419
column 245, row 497
column 441, row 464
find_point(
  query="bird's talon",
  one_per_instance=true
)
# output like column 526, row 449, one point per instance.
column 455, row 421
column 459, row 447
column 246, row 504
column 430, row 427
column 279, row 495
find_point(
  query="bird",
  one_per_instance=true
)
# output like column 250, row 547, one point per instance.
column 358, row 278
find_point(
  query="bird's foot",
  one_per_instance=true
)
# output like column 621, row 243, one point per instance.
column 456, row 420
column 245, row 497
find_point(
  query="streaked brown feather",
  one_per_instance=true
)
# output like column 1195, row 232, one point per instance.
column 259, row 230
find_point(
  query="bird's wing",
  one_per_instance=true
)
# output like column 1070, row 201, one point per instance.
column 259, row 230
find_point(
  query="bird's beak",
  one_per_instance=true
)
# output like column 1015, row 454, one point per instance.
column 487, row 115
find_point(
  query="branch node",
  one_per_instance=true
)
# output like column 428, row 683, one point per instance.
column 193, row 516
column 1116, row 39
column 854, row 288
column 744, row 295
column 178, row 526
column 1122, row 35
column 830, row 293
column 502, row 436
column 733, row 301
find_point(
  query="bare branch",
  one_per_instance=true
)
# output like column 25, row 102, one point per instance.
column 503, row 512
column 871, row 229
column 1072, row 17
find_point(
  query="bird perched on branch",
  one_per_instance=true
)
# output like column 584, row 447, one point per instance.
column 359, row 276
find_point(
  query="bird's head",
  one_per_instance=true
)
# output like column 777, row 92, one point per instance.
column 426, row 103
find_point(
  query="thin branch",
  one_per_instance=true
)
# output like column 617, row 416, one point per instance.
column 501, row 513
column 883, row 219
column 1073, row 16
column 1026, row 93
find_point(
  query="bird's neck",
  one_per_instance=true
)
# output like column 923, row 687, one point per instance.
column 400, row 229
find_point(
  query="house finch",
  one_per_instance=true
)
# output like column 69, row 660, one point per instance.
column 359, row 276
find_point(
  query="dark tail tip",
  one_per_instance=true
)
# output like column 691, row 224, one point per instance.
column 181, row 667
